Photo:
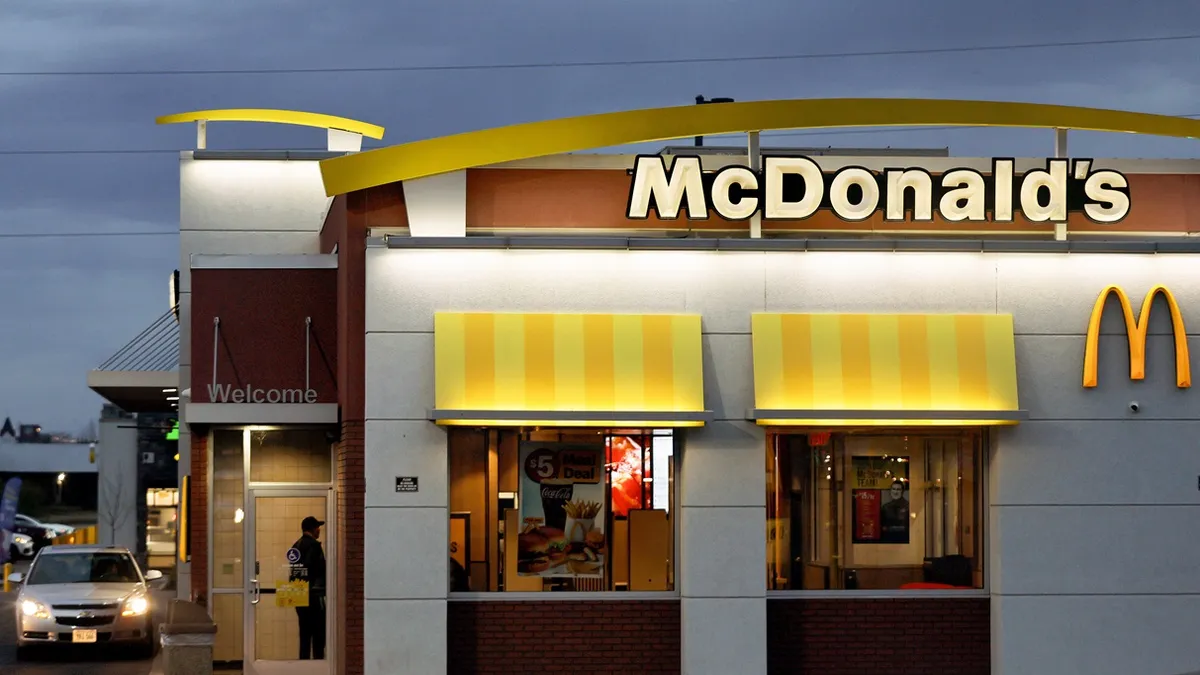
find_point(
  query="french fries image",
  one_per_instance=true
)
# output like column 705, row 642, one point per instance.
column 582, row 510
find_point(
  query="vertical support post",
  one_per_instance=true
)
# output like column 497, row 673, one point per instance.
column 754, row 161
column 307, row 352
column 1060, row 152
column 201, row 134
column 7, row 571
column 216, row 344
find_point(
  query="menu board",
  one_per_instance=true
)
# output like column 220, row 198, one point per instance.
column 880, row 500
column 563, row 510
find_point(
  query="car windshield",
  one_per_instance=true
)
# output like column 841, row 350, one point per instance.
column 84, row 568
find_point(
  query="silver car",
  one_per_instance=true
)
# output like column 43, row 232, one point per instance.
column 21, row 546
column 84, row 595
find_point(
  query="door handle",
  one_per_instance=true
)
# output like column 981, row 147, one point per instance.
column 257, row 592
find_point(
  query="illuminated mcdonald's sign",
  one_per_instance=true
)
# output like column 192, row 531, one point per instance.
column 1136, row 329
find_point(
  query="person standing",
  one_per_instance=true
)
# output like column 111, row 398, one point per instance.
column 310, row 566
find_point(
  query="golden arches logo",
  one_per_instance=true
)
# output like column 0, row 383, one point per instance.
column 1136, row 329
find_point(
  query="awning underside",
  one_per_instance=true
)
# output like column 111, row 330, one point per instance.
column 143, row 375
column 884, row 370
column 571, row 370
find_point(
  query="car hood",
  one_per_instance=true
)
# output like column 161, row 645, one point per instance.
column 57, row 594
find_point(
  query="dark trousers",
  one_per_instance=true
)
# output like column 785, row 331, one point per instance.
column 312, row 629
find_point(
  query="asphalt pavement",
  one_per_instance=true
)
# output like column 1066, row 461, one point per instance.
column 66, row 659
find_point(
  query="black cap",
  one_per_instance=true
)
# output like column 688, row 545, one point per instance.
column 310, row 524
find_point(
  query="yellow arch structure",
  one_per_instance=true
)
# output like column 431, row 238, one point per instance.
column 1136, row 329
column 538, row 139
column 294, row 117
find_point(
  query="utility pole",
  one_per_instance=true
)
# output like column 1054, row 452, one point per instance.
column 700, row 100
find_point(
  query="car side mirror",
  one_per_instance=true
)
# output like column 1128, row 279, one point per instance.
column 153, row 575
column 16, row 578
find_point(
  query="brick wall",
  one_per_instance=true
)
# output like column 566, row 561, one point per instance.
column 614, row 636
column 351, row 493
column 198, row 515
column 902, row 636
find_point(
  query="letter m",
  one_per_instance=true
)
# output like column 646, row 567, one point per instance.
column 669, row 188
column 1136, row 329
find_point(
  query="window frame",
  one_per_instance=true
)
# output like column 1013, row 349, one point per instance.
column 679, row 441
column 983, row 506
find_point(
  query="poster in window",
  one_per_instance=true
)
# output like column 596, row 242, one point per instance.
column 880, row 500
column 627, row 463
column 563, row 511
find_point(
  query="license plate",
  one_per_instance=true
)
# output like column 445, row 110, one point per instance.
column 83, row 636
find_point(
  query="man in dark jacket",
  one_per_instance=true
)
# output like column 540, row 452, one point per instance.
column 309, row 565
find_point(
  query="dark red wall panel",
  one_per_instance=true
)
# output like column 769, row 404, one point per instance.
column 897, row 636
column 583, row 638
column 262, row 330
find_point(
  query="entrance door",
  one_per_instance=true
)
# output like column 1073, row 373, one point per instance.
column 276, row 607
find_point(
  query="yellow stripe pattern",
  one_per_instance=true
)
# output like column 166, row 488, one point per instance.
column 898, row 362
column 568, row 362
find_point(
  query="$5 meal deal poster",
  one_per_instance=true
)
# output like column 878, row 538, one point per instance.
column 563, row 510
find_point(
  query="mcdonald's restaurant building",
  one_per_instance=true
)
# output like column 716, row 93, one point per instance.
column 705, row 411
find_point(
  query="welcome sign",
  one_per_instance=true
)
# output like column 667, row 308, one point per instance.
column 795, row 188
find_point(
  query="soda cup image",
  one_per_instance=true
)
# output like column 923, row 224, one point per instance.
column 555, row 495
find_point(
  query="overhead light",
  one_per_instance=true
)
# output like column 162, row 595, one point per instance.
column 169, row 390
column 172, row 398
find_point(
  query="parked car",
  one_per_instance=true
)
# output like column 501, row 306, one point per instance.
column 42, row 536
column 84, row 595
column 20, row 546
column 57, row 528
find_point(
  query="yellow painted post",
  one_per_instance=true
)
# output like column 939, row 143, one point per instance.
column 7, row 571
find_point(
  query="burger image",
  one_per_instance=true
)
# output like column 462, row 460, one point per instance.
column 532, row 553
column 557, row 545
column 595, row 540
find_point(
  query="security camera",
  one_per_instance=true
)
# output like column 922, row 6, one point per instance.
column 1133, row 406
column 186, row 394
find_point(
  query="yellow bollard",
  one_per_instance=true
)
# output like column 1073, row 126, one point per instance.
column 7, row 571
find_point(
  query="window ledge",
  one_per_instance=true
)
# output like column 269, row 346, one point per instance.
column 561, row 596
column 884, row 594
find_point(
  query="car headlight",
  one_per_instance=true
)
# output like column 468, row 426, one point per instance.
column 136, row 606
column 35, row 609
column 22, row 539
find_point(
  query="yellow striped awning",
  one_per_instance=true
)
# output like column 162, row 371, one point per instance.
column 884, row 369
column 506, row 369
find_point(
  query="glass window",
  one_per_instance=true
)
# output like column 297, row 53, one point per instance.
column 562, row 510
column 875, row 510
column 290, row 456
column 228, row 491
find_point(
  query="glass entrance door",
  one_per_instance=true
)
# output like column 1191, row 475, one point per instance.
column 290, row 600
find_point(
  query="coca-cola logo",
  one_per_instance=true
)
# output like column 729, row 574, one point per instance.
column 556, row 492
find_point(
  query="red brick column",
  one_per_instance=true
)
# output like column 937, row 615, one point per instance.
column 352, row 488
column 198, row 517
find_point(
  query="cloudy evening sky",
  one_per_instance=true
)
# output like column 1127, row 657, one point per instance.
column 70, row 302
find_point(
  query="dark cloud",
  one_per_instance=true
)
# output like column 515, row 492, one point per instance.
column 68, row 304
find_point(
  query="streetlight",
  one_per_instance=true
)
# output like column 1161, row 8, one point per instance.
column 58, row 486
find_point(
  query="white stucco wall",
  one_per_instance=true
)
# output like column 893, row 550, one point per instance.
column 239, row 207
column 1091, row 563
column 117, row 485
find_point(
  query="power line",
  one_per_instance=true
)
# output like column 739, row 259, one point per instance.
column 72, row 235
column 603, row 64
column 146, row 151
